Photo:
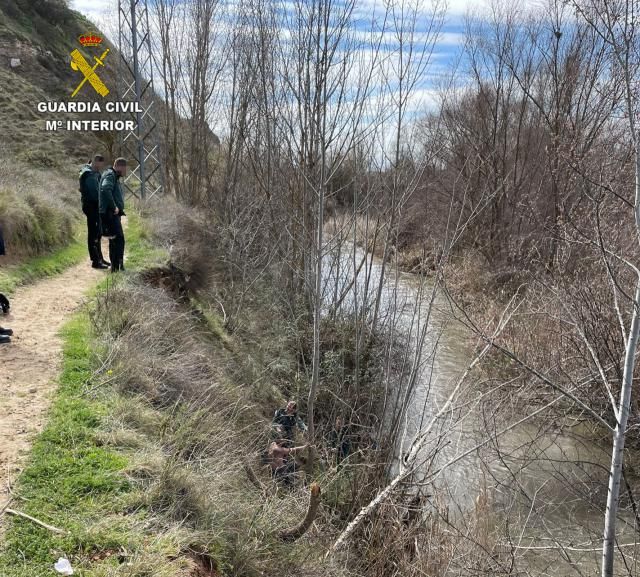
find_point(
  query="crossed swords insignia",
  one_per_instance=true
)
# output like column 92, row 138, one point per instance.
column 78, row 62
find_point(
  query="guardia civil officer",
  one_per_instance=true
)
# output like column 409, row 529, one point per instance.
column 90, row 196
column 112, row 211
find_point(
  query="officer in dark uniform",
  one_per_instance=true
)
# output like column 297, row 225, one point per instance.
column 286, row 420
column 90, row 194
column 5, row 334
column 112, row 211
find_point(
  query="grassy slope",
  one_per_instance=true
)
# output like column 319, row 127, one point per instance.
column 141, row 486
column 36, row 268
column 40, row 267
column 68, row 472
column 78, row 482
column 73, row 479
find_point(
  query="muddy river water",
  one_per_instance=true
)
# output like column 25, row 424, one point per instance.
column 538, row 488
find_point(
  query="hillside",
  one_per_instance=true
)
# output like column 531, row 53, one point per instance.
column 38, row 190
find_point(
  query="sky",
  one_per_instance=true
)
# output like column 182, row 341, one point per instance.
column 99, row 11
column 104, row 14
column 95, row 9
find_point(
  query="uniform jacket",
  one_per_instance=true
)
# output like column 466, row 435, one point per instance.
column 89, row 187
column 288, row 422
column 111, row 192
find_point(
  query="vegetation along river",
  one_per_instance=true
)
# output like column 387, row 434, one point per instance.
column 535, row 493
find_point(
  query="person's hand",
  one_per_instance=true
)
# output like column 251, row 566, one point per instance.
column 116, row 211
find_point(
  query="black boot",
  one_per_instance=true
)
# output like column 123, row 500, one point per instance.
column 100, row 265
column 6, row 332
column 4, row 339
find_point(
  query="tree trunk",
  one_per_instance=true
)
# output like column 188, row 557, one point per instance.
column 299, row 530
column 619, row 436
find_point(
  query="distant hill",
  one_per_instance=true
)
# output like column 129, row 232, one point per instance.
column 40, row 34
column 38, row 186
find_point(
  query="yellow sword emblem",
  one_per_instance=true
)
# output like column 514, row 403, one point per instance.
column 78, row 62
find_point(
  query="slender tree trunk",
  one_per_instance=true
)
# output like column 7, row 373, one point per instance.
column 317, row 312
column 619, row 436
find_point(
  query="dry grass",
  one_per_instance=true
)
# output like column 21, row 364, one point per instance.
column 188, row 433
column 39, row 198
column 416, row 534
column 187, row 411
column 38, row 212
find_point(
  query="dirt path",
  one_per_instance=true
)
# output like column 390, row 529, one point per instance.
column 30, row 365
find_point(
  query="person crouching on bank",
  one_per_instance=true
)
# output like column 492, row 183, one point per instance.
column 112, row 211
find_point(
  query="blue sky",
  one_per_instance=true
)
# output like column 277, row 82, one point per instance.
column 104, row 14
column 97, row 8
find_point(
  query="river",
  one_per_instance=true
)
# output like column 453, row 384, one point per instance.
column 539, row 488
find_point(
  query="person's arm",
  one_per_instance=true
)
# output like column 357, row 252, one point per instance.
column 277, row 417
column 83, row 188
column 106, row 195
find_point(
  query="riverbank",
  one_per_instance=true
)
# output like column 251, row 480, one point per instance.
column 143, row 465
column 532, row 452
column 152, row 460
column 542, row 335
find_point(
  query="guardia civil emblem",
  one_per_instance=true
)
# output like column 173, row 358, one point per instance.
column 79, row 62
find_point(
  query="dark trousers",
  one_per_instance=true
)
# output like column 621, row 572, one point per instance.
column 94, row 235
column 112, row 227
column 286, row 473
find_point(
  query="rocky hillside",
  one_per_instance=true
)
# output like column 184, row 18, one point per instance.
column 38, row 187
column 36, row 38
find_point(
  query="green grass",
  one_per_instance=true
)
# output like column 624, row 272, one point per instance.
column 74, row 481
column 71, row 481
column 40, row 267
column 138, row 485
column 77, row 483
column 140, row 252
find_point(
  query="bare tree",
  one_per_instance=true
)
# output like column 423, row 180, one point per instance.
column 616, row 23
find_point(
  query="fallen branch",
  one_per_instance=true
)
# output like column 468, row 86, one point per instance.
column 295, row 533
column 36, row 521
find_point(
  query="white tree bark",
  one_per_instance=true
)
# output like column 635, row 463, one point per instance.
column 615, row 23
column 619, row 435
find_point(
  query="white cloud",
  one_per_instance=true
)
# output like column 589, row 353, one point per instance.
column 98, row 11
column 462, row 7
column 451, row 38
